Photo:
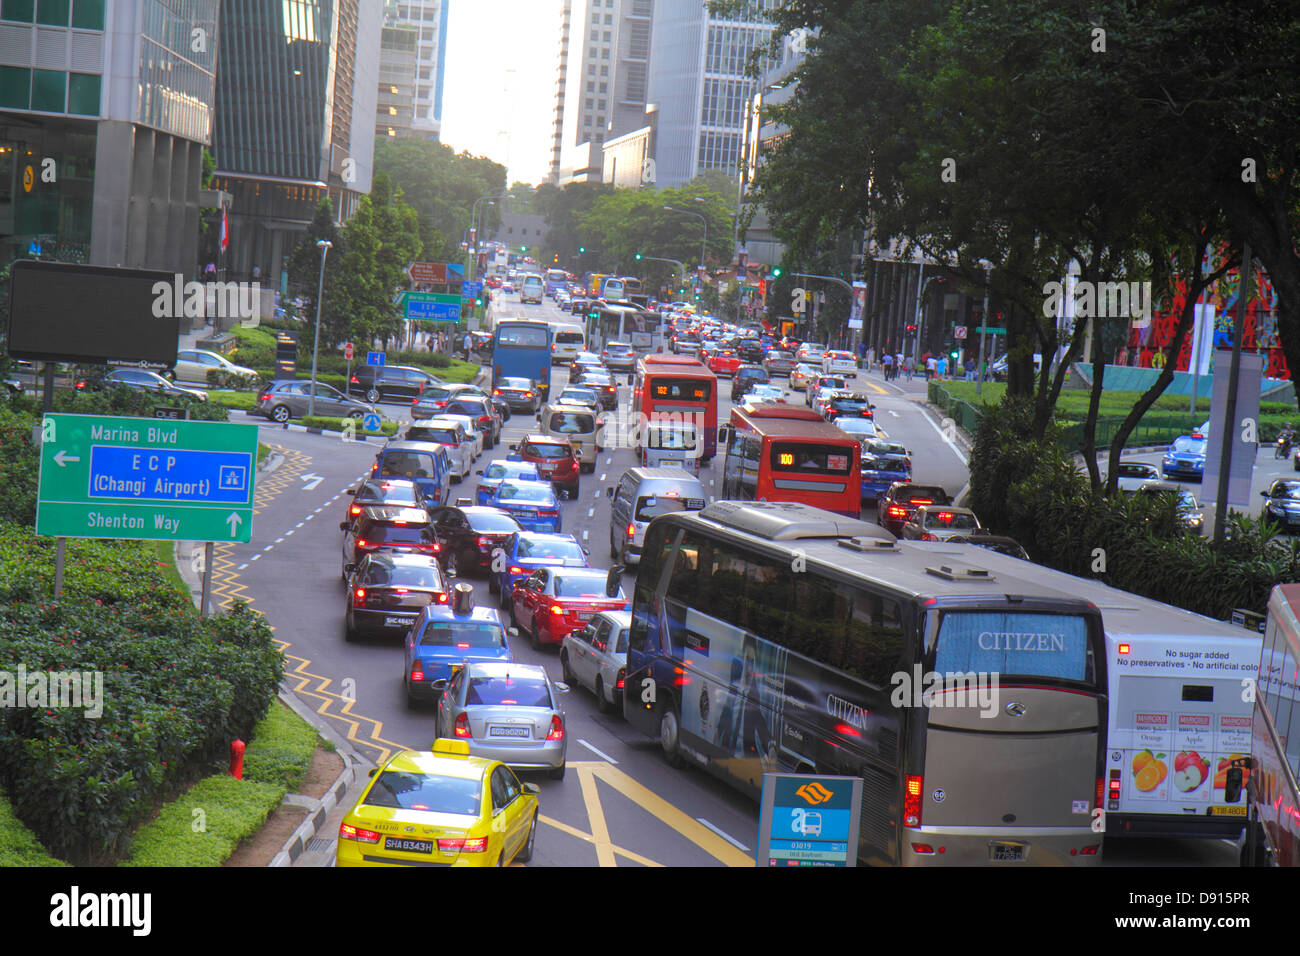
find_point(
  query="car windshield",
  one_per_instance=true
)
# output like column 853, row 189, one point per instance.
column 548, row 452
column 462, row 634
column 492, row 522
column 407, row 464
column 549, row 548
column 1189, row 445
column 951, row 521
column 520, row 691
column 580, row 585
column 858, row 426
column 405, row 790
column 510, row 491
column 403, row 575
column 1290, row 490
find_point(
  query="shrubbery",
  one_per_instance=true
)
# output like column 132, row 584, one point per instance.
column 176, row 689
column 1034, row 492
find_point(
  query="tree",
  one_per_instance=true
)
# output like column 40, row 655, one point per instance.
column 304, row 261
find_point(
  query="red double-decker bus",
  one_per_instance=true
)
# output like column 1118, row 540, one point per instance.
column 669, row 386
column 781, row 452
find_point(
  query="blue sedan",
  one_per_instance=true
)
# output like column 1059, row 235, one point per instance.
column 1185, row 458
column 881, row 471
column 524, row 552
column 532, row 503
column 442, row 640
column 497, row 472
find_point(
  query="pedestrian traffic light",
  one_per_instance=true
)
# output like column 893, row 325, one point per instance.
column 478, row 302
column 953, row 355
column 776, row 272
column 637, row 257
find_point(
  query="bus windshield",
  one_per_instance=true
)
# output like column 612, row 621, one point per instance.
column 1023, row 644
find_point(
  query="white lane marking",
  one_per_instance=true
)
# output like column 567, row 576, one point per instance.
column 242, row 566
column 254, row 557
column 277, row 541
column 892, row 412
column 319, row 510
column 309, row 517
column 585, row 532
column 591, row 512
column 722, row 833
column 312, row 480
column 289, row 532
column 710, row 482
column 609, row 461
column 602, row 476
column 596, row 493
column 267, row 548
column 601, row 754
column 947, row 441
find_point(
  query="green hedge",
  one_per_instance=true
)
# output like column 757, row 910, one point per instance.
column 281, row 749
column 18, row 845
column 228, row 811
column 338, row 424
column 176, row 689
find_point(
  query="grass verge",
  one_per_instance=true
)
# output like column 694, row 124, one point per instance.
column 18, row 845
column 166, row 552
column 205, row 825
column 339, row 424
column 281, row 750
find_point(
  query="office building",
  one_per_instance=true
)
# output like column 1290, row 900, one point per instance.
column 105, row 108
column 429, row 19
column 398, row 66
column 557, row 109
column 297, row 88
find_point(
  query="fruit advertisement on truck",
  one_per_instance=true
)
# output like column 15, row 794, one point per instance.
column 1179, row 736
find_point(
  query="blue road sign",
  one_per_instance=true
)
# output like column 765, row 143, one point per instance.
column 372, row 421
column 455, row 270
column 142, row 474
column 470, row 290
column 374, row 358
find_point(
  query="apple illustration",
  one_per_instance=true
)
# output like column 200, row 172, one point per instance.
column 1190, row 771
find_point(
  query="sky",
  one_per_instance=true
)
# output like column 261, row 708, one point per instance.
column 499, row 95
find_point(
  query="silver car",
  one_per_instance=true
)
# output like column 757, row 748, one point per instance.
column 596, row 658
column 508, row 712
column 289, row 398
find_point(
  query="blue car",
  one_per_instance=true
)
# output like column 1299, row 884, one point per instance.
column 442, row 640
column 1185, row 458
column 495, row 473
column 429, row 466
column 532, row 503
column 881, row 471
column 527, row 551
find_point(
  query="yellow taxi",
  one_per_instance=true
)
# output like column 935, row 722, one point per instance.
column 440, row 808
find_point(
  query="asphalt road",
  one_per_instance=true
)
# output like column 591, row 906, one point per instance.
column 619, row 804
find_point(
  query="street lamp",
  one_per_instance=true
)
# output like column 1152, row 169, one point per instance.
column 473, row 220
column 703, row 242
column 324, row 246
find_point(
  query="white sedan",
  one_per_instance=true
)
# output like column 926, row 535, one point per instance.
column 840, row 363
column 863, row 429
column 1134, row 474
column 193, row 365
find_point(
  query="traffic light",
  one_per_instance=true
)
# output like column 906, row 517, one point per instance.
column 555, row 258
column 637, row 257
column 911, row 329
column 523, row 248
column 582, row 249
column 953, row 355
column 776, row 272
column 478, row 302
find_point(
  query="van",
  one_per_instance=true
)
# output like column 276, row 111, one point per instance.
column 576, row 424
column 567, row 341
column 426, row 464
column 642, row 494
column 671, row 444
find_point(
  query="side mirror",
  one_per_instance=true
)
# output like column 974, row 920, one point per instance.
column 613, row 580
column 532, row 788
column 343, row 526
column 512, row 447
column 372, row 771
column 562, row 687
column 351, row 491
column 512, row 631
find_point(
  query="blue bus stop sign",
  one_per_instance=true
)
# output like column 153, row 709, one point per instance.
column 808, row 820
column 374, row 358
column 372, row 421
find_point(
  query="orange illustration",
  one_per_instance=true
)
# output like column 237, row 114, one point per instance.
column 1152, row 773
column 1141, row 760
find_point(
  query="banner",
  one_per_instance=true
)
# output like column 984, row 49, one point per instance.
column 858, row 305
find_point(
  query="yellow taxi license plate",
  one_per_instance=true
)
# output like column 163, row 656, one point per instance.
column 1227, row 811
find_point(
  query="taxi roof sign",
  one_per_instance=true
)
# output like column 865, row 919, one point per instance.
column 451, row 748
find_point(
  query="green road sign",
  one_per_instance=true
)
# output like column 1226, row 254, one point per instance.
column 141, row 478
column 991, row 330
column 431, row 306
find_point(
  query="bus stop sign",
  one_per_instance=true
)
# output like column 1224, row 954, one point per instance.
column 809, row 820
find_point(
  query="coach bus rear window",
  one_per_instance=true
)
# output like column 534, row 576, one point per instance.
column 522, row 337
column 683, row 389
column 811, row 458
column 1024, row 644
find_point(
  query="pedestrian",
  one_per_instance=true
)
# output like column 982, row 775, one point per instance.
column 911, row 367
column 931, row 367
column 871, row 358
column 941, row 366
column 970, row 369
column 886, row 364
column 898, row 364
column 257, row 273
column 467, row 345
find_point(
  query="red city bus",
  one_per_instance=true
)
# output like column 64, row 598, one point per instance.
column 1273, row 793
column 783, row 452
column 679, row 385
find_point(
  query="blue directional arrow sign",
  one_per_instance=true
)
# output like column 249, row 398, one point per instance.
column 470, row 290
column 372, row 422
column 374, row 358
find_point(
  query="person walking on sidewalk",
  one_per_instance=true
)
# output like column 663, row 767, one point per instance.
column 886, row 364
column 930, row 367
column 898, row 365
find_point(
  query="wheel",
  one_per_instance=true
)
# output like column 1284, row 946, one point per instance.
column 534, row 639
column 372, row 395
column 602, row 705
column 412, row 703
column 505, row 601
column 280, row 413
column 349, row 635
column 526, row 854
column 668, row 737
column 557, row 773
column 492, row 583
column 565, row 669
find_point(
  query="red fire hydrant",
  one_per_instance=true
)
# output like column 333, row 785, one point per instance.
column 237, row 760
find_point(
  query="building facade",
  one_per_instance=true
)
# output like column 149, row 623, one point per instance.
column 105, row 108
column 297, row 90
column 697, row 81
column 429, row 19
column 398, row 67
column 557, row 108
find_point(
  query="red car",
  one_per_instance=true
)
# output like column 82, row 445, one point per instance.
column 551, row 602
column 724, row 362
column 555, row 459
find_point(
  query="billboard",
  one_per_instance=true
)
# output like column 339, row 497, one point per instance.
column 62, row 312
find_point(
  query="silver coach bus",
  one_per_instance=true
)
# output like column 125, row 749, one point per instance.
column 777, row 637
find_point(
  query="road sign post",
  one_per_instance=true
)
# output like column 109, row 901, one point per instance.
column 143, row 479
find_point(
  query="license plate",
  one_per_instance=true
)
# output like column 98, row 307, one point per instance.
column 670, row 461
column 1006, row 852
column 508, row 732
column 404, row 845
column 1228, row 811
column 397, row 622
column 585, row 615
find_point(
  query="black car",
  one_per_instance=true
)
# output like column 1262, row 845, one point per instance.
column 519, row 394
column 1282, row 503
column 396, row 492
column 482, row 411
column 749, row 350
column 600, row 382
column 898, row 504
column 994, row 542
column 745, row 378
column 849, row 406
column 386, row 528
column 382, row 382
column 387, row 592
column 468, row 536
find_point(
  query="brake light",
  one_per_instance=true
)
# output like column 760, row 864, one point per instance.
column 516, row 570
column 484, row 542
column 897, row 511
column 442, row 597
column 464, row 844
column 631, row 529
column 362, row 543
column 556, row 609
column 354, row 380
column 462, row 726
column 1101, row 787
column 261, row 398
column 359, row 597
column 348, row 832
column 354, row 510
column 920, row 501
column 528, row 394
column 912, row 802
column 557, row 728
column 622, row 679
column 496, row 391
column 417, row 671
column 547, row 513
column 928, row 537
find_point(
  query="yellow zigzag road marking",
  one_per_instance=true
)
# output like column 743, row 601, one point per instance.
column 383, row 748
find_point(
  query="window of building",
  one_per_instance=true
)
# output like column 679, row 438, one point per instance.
column 604, row 54
column 24, row 10
column 591, row 70
column 425, row 92
column 55, row 14
column 591, row 86
column 600, row 104
column 589, row 103
column 427, row 34
column 15, row 87
column 591, row 53
column 49, row 91
column 600, row 120
column 609, row 18
column 426, row 73
column 430, row 14
column 88, row 15
column 83, row 94
column 595, row 34
column 606, row 38
column 604, row 70
column 586, row 120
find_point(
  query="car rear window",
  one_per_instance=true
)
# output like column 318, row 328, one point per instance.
column 399, row 789
column 517, row 492
column 1014, row 643
column 560, row 550
column 467, row 406
column 922, row 494
column 875, row 463
column 446, row 436
column 392, row 493
column 402, row 576
column 568, row 338
column 652, row 506
column 461, row 634
column 407, row 464
column 388, row 533
column 508, row 470
column 951, row 521
column 521, row 691
column 581, row 586
column 492, row 523
column 522, row 383
column 548, row 452
column 572, row 423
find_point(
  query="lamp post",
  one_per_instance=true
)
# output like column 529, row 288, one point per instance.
column 324, row 246
column 983, row 363
column 474, row 231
